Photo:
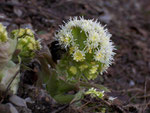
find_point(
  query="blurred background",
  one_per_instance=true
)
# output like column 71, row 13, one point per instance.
column 127, row 20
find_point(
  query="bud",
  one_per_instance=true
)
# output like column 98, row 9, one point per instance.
column 26, row 42
column 3, row 34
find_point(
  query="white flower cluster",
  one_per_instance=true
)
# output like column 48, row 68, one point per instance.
column 94, row 93
column 87, row 37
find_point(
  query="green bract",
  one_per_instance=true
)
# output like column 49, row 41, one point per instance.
column 89, row 49
column 26, row 42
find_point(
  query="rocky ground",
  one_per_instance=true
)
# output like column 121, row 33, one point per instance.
column 128, row 78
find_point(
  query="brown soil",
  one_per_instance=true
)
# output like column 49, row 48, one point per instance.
column 128, row 22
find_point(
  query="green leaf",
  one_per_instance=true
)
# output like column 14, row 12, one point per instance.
column 65, row 87
column 78, row 96
column 88, row 85
column 101, row 87
column 46, row 62
column 52, row 84
column 56, row 87
column 63, row 98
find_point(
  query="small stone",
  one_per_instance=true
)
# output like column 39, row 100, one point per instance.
column 17, row 101
column 12, row 108
column 131, row 83
column 29, row 100
column 4, row 108
column 106, row 17
column 27, row 25
column 23, row 110
column 18, row 12
column 112, row 98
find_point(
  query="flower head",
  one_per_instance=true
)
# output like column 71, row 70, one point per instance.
column 93, row 70
column 19, row 33
column 78, row 55
column 83, row 67
column 73, row 70
column 87, row 41
column 3, row 34
column 100, row 56
column 26, row 42
column 94, row 93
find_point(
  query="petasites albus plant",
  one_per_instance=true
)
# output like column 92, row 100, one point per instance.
column 22, row 40
column 27, row 44
column 89, row 52
column 7, row 67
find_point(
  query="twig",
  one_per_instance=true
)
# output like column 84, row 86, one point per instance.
column 60, row 109
column 130, row 90
column 146, row 106
column 143, row 96
column 5, row 92
column 84, row 104
column 145, row 100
